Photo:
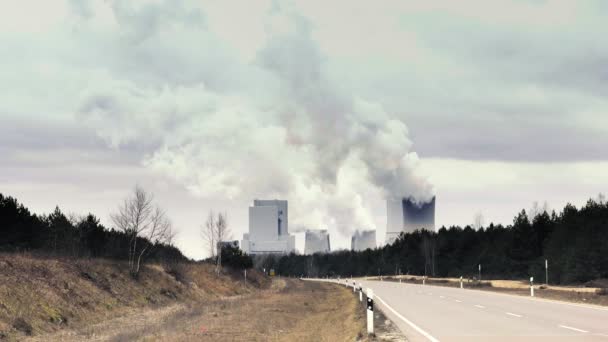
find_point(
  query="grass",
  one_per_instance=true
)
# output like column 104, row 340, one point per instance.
column 289, row 310
column 41, row 295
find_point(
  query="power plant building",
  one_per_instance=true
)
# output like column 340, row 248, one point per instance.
column 316, row 241
column 363, row 240
column 268, row 229
column 407, row 215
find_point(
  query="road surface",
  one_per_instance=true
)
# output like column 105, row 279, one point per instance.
column 434, row 313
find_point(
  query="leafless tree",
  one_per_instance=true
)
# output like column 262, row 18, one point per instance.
column 478, row 221
column 222, row 234
column 537, row 210
column 214, row 231
column 428, row 249
column 140, row 219
column 208, row 234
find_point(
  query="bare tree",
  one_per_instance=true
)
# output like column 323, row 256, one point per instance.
column 214, row 231
column 208, row 234
column 537, row 209
column 222, row 234
column 140, row 219
column 478, row 221
column 428, row 249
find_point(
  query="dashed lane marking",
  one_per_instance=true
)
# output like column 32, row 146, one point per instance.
column 572, row 328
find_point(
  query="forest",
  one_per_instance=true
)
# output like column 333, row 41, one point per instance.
column 574, row 243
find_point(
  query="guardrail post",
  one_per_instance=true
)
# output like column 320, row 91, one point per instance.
column 531, row 286
column 461, row 286
column 360, row 293
column 370, row 311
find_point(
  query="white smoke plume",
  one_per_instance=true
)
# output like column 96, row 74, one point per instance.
column 275, row 126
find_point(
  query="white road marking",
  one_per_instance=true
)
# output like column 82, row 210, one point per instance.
column 603, row 335
column 571, row 328
column 480, row 306
column 417, row 328
column 512, row 314
column 457, row 301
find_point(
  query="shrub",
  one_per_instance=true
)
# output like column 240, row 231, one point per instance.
column 234, row 258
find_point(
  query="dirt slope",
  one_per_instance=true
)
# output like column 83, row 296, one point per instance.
column 40, row 295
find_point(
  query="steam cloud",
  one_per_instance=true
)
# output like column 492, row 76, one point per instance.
column 274, row 126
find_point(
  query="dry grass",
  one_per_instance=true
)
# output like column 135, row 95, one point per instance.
column 40, row 296
column 291, row 310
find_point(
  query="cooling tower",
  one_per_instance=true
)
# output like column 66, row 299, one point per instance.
column 407, row 215
column 316, row 241
column 363, row 240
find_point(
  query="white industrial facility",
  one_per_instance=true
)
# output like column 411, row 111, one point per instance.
column 268, row 229
column 316, row 241
column 363, row 240
column 407, row 215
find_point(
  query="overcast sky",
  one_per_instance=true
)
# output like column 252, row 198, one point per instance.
column 489, row 105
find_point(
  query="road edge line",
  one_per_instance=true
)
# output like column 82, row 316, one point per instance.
column 411, row 324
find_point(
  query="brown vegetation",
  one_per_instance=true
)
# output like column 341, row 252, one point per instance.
column 39, row 295
column 289, row 310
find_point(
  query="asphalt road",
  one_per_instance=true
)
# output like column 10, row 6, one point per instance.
column 434, row 313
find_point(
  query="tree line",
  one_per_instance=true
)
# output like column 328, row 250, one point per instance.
column 142, row 232
column 574, row 242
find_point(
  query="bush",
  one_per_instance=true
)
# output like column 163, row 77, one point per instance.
column 234, row 258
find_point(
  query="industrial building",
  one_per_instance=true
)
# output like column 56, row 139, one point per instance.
column 316, row 241
column 268, row 229
column 408, row 215
column 363, row 240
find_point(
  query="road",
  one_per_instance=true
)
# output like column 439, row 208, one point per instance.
column 434, row 313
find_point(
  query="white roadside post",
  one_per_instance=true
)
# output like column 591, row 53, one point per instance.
column 370, row 311
column 423, row 280
column 531, row 286
column 360, row 293
column 354, row 286
column 546, row 272
column 461, row 282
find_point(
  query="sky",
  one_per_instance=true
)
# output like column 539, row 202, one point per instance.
column 488, row 105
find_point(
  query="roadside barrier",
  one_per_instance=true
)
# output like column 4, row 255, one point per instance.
column 370, row 311
column 531, row 286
